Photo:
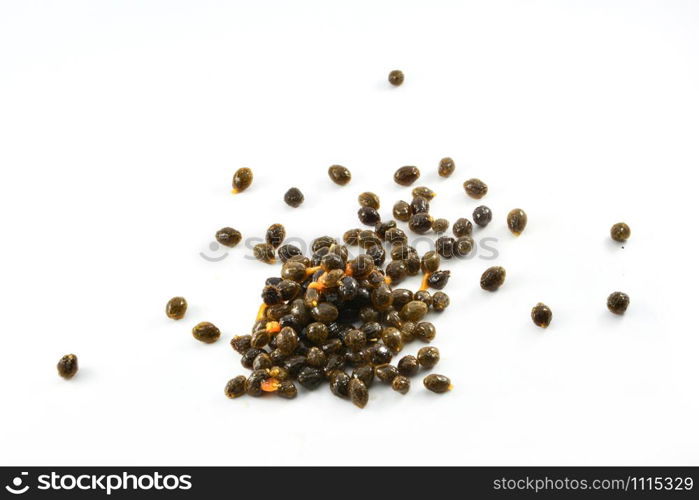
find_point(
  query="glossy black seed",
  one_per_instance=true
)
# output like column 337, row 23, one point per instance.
column 425, row 331
column 289, row 289
column 475, row 188
column 445, row 246
column 287, row 390
column 248, row 358
column 420, row 223
column 463, row 246
column 294, row 364
column 440, row 301
column 339, row 383
column 396, row 77
column 264, row 252
column 358, row 393
column 405, row 176
column 176, row 308
column 293, row 197
column 440, row 226
column 620, row 231
column 382, row 227
column 402, row 211
column 377, row 253
column 262, row 362
column 339, row 175
column 437, row 383
column 380, row 355
column 369, row 199
column 364, row 373
column 446, row 167
column 482, row 216
column 420, row 205
column 462, row 227
column 428, row 357
column 369, row 216
column 618, row 302
column 242, row 179
column 235, row 387
column 516, row 221
column 424, row 296
column 310, row 377
column 493, row 278
column 386, row 372
column 324, row 312
column 438, row 279
column 253, row 385
column 206, row 332
column 541, row 315
column 275, row 235
column 401, row 296
column 228, row 236
column 408, row 366
column 401, row 384
column 414, row 311
column 67, row 366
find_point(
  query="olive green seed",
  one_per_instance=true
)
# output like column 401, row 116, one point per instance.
column 437, row 383
column 396, row 77
column 176, row 308
column 242, row 179
column 516, row 221
column 620, row 232
column 339, row 175
column 235, row 387
column 405, row 176
column 493, row 278
column 446, row 167
column 475, row 188
column 206, row 332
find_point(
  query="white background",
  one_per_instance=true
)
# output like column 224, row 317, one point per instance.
column 121, row 124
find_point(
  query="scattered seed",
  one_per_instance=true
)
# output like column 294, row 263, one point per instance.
column 242, row 179
column 228, row 236
column 369, row 199
column 475, row 188
column 264, row 252
column 425, row 331
column 235, row 387
column 438, row 279
column 440, row 226
column 369, row 216
column 206, row 332
column 408, row 366
column 428, row 357
column 446, row 167
column 517, row 221
column 176, row 308
column 437, row 383
column 482, row 216
column 493, row 278
column 396, row 77
column 420, row 223
column 620, row 232
column 440, row 301
column 445, row 246
column 293, row 197
column 339, row 175
column 402, row 211
column 618, row 302
column 423, row 192
column 541, row 315
column 358, row 393
column 464, row 246
column 275, row 235
column 405, row 176
column 401, row 384
column 68, row 366
column 462, row 227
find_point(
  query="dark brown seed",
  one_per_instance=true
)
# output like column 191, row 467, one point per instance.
column 339, row 383
column 397, row 271
column 414, row 311
column 364, row 373
column 275, row 235
column 462, row 227
column 420, row 205
column 402, row 211
column 401, row 296
column 386, row 372
column 405, row 176
column 176, row 307
column 271, row 295
column 440, row 226
column 355, row 339
column 412, row 264
column 264, row 252
column 517, row 221
column 424, row 296
column 425, row 331
column 293, row 197
column 445, row 246
column 420, row 223
column 294, row 271
column 369, row 199
column 260, row 339
column 279, row 373
column 286, row 252
column 423, row 192
column 392, row 338
column 493, row 278
column 242, row 180
column 287, row 340
column 351, row 237
column 383, row 227
column 482, row 216
column 287, row 390
column 407, row 331
column 402, row 252
column 369, row 216
column 228, row 236
column 206, row 332
column 401, row 384
column 438, row 279
column 408, row 366
column 325, row 312
column 428, row 357
column 248, row 358
column 440, row 301
column 618, row 302
column 396, row 77
column 235, row 387
column 323, row 241
column 430, row 262
column 620, row 232
column 241, row 343
column 368, row 238
column 317, row 333
column 253, row 385
column 358, row 393
column 262, row 362
column 67, row 366
column 475, row 188
column 464, row 246
column 446, row 167
column 310, row 377
column 339, row 175
column 437, row 383
column 380, row 354
column 541, row 315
